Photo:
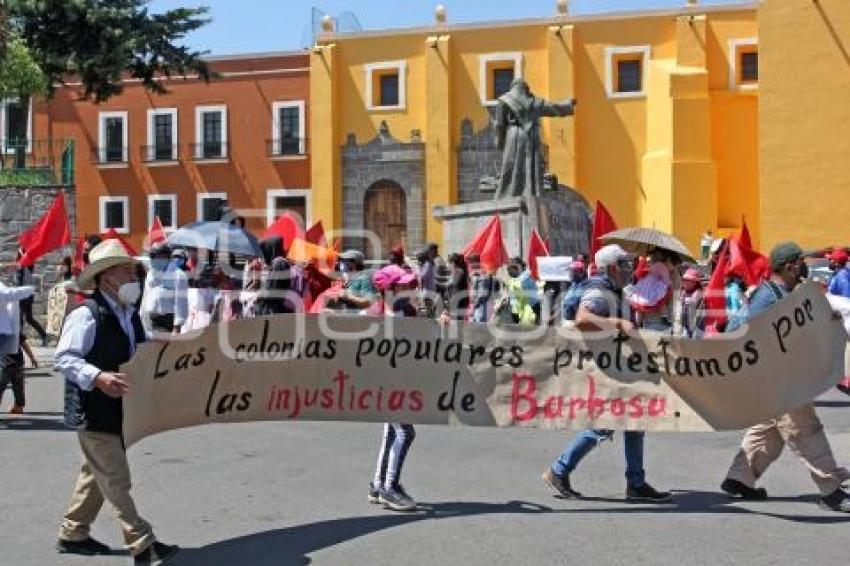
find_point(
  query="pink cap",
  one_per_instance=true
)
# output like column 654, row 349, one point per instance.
column 692, row 275
column 577, row 264
column 391, row 275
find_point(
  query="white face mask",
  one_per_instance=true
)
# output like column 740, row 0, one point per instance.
column 129, row 293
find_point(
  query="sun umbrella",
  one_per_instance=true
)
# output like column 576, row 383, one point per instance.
column 644, row 240
column 216, row 236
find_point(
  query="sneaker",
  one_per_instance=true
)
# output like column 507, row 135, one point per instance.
column 561, row 484
column 156, row 553
column 16, row 410
column 647, row 494
column 838, row 500
column 736, row 488
column 87, row 547
column 374, row 493
column 396, row 499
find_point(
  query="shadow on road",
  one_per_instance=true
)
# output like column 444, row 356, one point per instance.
column 292, row 545
column 26, row 422
column 832, row 404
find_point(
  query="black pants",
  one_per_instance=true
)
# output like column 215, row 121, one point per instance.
column 13, row 373
column 27, row 316
column 162, row 322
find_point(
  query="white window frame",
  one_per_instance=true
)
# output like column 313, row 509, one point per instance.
column 152, row 113
column 4, row 118
column 157, row 197
column 199, row 202
column 199, row 137
column 484, row 81
column 271, row 194
column 276, row 107
column 734, row 60
column 101, row 137
column 401, row 67
column 125, row 200
column 610, row 54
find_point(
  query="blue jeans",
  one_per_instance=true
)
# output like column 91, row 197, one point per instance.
column 586, row 440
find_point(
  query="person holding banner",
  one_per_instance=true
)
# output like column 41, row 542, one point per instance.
column 599, row 309
column 98, row 337
column 800, row 429
column 393, row 282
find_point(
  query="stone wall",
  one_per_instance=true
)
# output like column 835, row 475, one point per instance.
column 20, row 207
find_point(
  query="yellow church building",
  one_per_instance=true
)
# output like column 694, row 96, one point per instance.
column 687, row 120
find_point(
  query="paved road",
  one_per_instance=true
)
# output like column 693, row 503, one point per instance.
column 280, row 494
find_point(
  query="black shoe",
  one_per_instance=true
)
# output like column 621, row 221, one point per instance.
column 739, row 489
column 561, row 484
column 838, row 500
column 647, row 494
column 87, row 547
column 156, row 553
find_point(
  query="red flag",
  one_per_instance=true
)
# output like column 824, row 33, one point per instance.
column 489, row 246
column 111, row 234
column 744, row 237
column 715, row 295
column 316, row 235
column 156, row 234
column 603, row 223
column 51, row 232
column 79, row 259
column 746, row 263
column 536, row 248
column 287, row 227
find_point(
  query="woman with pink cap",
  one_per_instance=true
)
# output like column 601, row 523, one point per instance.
column 690, row 303
column 393, row 283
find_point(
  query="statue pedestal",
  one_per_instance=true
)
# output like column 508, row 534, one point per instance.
column 561, row 217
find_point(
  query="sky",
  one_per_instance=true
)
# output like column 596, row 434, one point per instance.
column 243, row 26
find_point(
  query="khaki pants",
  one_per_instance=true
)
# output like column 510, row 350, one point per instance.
column 803, row 432
column 104, row 475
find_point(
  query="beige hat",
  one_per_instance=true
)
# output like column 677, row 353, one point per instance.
column 106, row 254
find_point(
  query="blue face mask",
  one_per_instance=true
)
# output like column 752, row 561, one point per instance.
column 159, row 264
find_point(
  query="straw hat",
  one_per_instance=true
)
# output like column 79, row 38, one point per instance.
column 108, row 253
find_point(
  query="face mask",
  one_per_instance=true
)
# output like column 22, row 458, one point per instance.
column 159, row 264
column 129, row 293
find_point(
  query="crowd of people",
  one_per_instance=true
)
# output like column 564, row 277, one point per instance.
column 115, row 302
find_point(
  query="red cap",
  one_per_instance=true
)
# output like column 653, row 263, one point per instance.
column 838, row 255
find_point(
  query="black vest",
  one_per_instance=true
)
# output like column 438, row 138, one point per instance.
column 94, row 411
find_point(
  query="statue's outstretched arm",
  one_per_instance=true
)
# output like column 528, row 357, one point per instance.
column 563, row 108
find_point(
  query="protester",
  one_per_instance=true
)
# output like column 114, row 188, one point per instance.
column 485, row 290
column 276, row 296
column 800, row 429
column 840, row 282
column 651, row 296
column 705, row 244
column 97, row 338
column 166, row 304
column 690, row 304
column 393, row 283
column 600, row 309
column 578, row 284
column 358, row 291
column 24, row 278
column 428, row 277
column 251, row 288
column 456, row 299
column 523, row 294
column 12, row 341
column 201, row 299
column 397, row 256
column 58, row 296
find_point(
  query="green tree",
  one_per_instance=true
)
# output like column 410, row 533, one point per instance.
column 21, row 78
column 100, row 42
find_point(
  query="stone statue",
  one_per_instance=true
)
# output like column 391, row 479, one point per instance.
column 518, row 130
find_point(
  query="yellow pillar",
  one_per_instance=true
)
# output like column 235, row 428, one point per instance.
column 324, row 139
column 440, row 161
column 560, row 133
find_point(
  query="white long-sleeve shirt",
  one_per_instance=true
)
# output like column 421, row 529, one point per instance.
column 77, row 340
column 9, row 313
column 166, row 292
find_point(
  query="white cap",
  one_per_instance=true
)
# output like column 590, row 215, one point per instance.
column 609, row 255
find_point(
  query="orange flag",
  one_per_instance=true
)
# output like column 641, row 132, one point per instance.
column 51, row 232
column 536, row 248
column 488, row 244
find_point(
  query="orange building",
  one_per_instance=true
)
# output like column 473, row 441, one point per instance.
column 240, row 138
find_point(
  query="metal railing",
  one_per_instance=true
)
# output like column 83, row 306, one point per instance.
column 36, row 162
column 109, row 155
column 159, row 153
column 206, row 151
column 284, row 147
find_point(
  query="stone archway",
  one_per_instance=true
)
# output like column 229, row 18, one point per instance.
column 385, row 215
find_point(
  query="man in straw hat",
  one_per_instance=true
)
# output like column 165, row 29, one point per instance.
column 96, row 339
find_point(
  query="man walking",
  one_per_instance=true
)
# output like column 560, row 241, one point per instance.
column 97, row 338
column 599, row 309
column 166, row 295
column 800, row 429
